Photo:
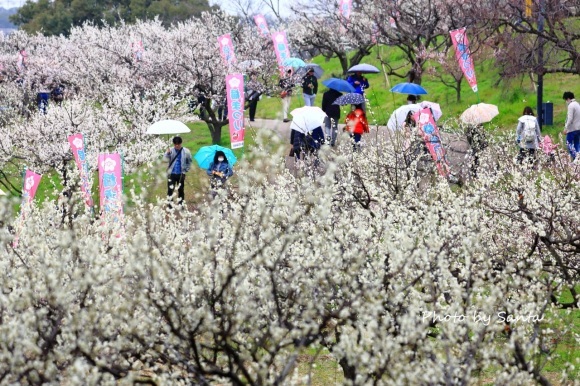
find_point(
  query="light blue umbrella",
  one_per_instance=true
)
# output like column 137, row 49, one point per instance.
column 350, row 99
column 294, row 62
column 206, row 154
column 409, row 88
column 364, row 69
column 338, row 85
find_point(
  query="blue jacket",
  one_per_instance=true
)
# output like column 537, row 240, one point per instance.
column 186, row 160
column 363, row 83
column 222, row 167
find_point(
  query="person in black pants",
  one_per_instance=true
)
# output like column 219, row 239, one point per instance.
column 179, row 162
column 254, row 90
column 333, row 114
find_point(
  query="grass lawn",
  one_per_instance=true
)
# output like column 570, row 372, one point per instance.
column 510, row 95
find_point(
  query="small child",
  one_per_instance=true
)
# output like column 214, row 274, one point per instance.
column 548, row 147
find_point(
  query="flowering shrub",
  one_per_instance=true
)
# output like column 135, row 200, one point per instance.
column 401, row 277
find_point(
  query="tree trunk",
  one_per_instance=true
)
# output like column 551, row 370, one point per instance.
column 348, row 370
column 343, row 63
column 416, row 72
column 213, row 123
column 458, row 90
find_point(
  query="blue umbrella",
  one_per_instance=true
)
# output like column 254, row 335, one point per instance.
column 294, row 62
column 206, row 154
column 350, row 99
column 409, row 88
column 364, row 68
column 338, row 85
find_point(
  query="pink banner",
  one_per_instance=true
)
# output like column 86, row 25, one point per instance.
column 31, row 182
column 262, row 25
column 281, row 49
column 235, row 98
column 77, row 145
column 345, row 8
column 227, row 49
column 463, row 55
column 111, row 186
column 430, row 133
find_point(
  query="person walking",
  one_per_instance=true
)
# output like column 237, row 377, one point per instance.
column 309, row 87
column 286, row 84
column 255, row 90
column 528, row 135
column 179, row 162
column 356, row 124
column 332, row 114
column 360, row 84
column 219, row 171
column 572, row 126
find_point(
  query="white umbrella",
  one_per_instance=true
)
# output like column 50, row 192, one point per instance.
column 2, row 193
column 249, row 64
column 168, row 126
column 397, row 119
column 435, row 108
column 479, row 113
column 307, row 118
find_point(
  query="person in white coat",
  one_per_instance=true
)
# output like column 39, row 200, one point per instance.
column 528, row 135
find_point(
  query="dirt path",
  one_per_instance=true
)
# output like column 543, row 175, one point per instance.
column 456, row 145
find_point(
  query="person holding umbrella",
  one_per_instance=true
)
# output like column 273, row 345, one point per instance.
column 309, row 87
column 219, row 171
column 254, row 90
column 286, row 84
column 360, row 84
column 179, row 162
column 333, row 114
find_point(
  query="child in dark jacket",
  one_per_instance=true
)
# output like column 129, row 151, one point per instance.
column 219, row 171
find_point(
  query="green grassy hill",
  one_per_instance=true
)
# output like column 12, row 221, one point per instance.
column 510, row 95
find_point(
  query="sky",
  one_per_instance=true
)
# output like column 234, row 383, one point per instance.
column 11, row 3
column 226, row 5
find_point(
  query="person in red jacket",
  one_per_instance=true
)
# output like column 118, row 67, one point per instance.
column 356, row 124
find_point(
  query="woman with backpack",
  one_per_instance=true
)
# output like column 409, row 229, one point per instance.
column 528, row 135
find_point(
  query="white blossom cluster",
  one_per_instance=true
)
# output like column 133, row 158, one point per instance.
column 403, row 278
column 112, row 95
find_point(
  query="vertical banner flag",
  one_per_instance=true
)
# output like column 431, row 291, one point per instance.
column 227, row 49
column 111, row 186
column 463, row 55
column 138, row 50
column 345, row 8
column 262, row 25
column 235, row 100
column 77, row 145
column 528, row 8
column 430, row 133
column 31, row 182
column 281, row 49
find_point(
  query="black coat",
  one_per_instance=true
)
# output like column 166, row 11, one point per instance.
column 306, row 81
column 328, row 98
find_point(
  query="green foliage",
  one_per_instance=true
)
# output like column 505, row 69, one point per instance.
column 59, row 16
column 510, row 95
